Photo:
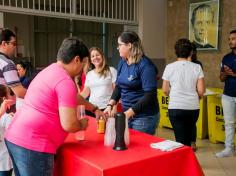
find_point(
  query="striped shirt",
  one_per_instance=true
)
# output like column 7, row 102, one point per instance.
column 8, row 72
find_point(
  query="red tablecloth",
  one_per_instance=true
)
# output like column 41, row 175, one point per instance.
column 91, row 158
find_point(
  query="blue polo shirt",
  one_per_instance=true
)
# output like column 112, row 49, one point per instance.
column 134, row 80
column 230, row 82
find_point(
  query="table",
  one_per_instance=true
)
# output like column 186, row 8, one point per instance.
column 91, row 158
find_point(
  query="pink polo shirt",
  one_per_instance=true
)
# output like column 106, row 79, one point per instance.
column 36, row 125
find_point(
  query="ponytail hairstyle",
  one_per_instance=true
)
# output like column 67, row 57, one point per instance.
column 136, row 51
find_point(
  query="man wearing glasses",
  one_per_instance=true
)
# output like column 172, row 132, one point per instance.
column 8, row 72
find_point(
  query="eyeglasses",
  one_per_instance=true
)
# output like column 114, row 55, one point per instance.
column 120, row 44
column 12, row 42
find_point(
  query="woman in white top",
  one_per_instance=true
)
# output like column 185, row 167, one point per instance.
column 100, row 81
column 183, row 81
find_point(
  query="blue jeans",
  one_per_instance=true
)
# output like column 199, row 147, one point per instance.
column 30, row 163
column 147, row 124
column 6, row 173
column 229, row 109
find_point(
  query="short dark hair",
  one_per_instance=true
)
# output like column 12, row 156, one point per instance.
column 71, row 47
column 232, row 32
column 202, row 6
column 3, row 93
column 6, row 34
column 183, row 48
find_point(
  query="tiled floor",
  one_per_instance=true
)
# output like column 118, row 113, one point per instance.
column 211, row 165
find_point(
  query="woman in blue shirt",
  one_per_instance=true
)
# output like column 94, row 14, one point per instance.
column 25, row 72
column 136, row 85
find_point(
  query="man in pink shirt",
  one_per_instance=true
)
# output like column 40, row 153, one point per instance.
column 48, row 112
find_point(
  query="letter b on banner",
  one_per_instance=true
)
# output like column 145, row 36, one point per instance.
column 219, row 110
column 165, row 100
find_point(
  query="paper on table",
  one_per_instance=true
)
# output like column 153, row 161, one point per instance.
column 166, row 145
column 210, row 92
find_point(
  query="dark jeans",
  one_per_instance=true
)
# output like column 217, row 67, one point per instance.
column 146, row 124
column 6, row 173
column 30, row 163
column 183, row 122
column 194, row 135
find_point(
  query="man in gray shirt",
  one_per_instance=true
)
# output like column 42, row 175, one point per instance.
column 8, row 72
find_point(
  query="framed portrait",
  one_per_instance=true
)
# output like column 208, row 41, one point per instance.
column 203, row 24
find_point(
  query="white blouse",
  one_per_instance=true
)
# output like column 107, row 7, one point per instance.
column 183, row 77
column 100, row 87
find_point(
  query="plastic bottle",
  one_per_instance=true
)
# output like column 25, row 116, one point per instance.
column 101, row 125
column 110, row 132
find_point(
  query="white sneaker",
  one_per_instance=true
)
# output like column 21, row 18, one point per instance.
column 225, row 153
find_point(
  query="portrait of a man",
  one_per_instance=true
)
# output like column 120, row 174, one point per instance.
column 203, row 24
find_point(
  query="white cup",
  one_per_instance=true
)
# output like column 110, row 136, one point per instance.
column 81, row 111
column 79, row 135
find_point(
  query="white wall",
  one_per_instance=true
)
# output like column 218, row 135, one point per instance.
column 113, row 54
column 24, row 26
column 1, row 20
column 152, row 26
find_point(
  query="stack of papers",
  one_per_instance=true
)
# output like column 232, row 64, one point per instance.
column 166, row 145
column 210, row 92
